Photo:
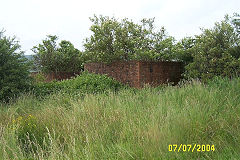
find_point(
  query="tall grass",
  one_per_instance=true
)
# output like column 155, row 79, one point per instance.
column 130, row 124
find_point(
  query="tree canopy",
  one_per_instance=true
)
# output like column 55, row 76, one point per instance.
column 53, row 57
column 14, row 69
column 125, row 40
column 216, row 51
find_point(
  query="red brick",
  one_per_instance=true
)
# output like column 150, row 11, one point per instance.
column 138, row 73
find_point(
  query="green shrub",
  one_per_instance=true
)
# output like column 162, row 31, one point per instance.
column 39, row 77
column 52, row 57
column 84, row 83
column 114, row 40
column 92, row 83
column 215, row 52
column 14, row 74
column 45, row 88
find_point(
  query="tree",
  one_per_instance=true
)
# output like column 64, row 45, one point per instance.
column 216, row 52
column 14, row 69
column 184, row 50
column 124, row 40
column 236, row 22
column 51, row 57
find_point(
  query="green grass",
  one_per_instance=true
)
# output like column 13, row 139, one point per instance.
column 130, row 124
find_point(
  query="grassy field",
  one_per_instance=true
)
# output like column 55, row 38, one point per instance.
column 130, row 124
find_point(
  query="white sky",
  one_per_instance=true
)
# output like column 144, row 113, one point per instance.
column 31, row 20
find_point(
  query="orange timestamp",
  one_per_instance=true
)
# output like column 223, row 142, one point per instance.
column 191, row 148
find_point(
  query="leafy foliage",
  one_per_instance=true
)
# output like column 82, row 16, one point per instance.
column 184, row 49
column 14, row 69
column 125, row 40
column 46, row 88
column 39, row 77
column 53, row 58
column 84, row 83
column 236, row 21
column 216, row 52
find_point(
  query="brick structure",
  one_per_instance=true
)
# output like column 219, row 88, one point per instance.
column 57, row 76
column 138, row 73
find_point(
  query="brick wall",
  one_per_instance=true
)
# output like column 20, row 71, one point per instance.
column 125, row 72
column 155, row 73
column 138, row 73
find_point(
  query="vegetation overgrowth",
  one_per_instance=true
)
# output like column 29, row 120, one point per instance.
column 82, row 84
column 95, row 117
column 214, row 52
column 128, row 124
column 14, row 69
column 53, row 57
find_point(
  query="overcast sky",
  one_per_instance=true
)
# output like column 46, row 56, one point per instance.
column 31, row 20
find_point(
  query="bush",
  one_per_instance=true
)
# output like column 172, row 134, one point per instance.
column 124, row 40
column 63, row 57
column 39, row 77
column 14, row 69
column 46, row 88
column 84, row 83
column 216, row 52
column 92, row 83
